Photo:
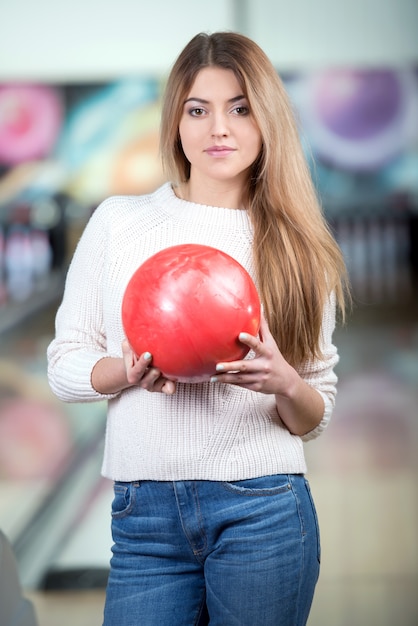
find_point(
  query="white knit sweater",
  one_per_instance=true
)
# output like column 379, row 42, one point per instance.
column 205, row 431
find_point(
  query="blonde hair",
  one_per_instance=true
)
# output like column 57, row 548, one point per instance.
column 297, row 262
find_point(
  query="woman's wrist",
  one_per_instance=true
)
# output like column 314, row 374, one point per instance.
column 301, row 407
column 109, row 376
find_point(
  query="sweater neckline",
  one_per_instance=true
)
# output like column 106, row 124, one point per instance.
column 184, row 209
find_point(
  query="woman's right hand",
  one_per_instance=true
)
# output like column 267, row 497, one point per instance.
column 139, row 372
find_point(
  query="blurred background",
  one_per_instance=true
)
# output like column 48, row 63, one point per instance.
column 80, row 87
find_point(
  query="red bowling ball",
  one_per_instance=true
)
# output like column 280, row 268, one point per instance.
column 187, row 305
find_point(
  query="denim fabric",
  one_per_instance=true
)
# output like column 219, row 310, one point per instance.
column 244, row 553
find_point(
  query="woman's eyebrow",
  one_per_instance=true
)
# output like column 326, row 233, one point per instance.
column 202, row 101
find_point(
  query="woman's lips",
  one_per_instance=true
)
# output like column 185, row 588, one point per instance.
column 219, row 151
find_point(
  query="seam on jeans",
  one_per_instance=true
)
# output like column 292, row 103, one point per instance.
column 251, row 492
column 197, row 553
column 201, row 613
column 303, row 536
column 302, row 523
column 316, row 521
column 201, row 526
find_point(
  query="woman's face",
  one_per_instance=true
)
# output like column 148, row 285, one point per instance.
column 217, row 130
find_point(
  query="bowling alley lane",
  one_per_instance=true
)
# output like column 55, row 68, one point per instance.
column 50, row 456
column 54, row 506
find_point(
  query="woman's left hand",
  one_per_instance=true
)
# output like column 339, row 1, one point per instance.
column 267, row 372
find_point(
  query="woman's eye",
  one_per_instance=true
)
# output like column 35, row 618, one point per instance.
column 242, row 110
column 197, row 112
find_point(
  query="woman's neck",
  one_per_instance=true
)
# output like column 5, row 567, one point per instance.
column 228, row 196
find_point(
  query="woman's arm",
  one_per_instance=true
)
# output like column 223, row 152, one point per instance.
column 81, row 366
column 112, row 375
column 304, row 399
column 300, row 406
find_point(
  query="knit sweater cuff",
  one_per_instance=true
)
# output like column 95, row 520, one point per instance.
column 71, row 381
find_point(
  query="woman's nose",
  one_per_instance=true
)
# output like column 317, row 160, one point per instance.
column 220, row 126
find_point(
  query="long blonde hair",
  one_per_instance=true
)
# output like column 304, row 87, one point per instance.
column 297, row 262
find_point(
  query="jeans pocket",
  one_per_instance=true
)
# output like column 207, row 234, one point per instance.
column 124, row 498
column 263, row 486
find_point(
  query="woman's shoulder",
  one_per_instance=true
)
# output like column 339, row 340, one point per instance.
column 126, row 205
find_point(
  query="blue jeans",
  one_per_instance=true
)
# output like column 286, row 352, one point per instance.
column 243, row 553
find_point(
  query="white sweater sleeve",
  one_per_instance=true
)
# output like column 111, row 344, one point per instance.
column 80, row 340
column 320, row 374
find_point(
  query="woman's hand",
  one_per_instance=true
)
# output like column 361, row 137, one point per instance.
column 267, row 372
column 299, row 406
column 140, row 372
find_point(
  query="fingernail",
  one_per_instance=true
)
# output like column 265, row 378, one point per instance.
column 213, row 379
column 219, row 367
column 243, row 336
column 147, row 356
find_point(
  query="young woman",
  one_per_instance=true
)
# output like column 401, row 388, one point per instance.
column 212, row 516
